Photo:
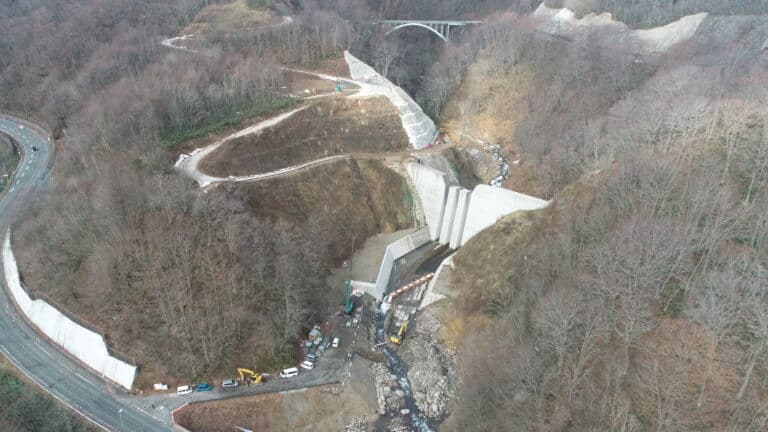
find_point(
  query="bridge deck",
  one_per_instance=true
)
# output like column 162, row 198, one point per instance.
column 428, row 22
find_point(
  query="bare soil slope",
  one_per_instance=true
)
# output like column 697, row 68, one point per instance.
column 328, row 127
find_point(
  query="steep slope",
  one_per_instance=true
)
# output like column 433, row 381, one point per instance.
column 634, row 301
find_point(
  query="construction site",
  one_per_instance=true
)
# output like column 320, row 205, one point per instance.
column 402, row 199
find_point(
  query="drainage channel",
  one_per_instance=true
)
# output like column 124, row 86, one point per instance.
column 503, row 165
column 497, row 154
column 419, row 262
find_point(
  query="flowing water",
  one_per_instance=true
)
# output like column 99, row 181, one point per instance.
column 396, row 366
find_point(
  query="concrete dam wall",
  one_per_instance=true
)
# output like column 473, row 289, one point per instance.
column 455, row 214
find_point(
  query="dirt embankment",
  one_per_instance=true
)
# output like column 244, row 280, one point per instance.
column 328, row 127
column 297, row 411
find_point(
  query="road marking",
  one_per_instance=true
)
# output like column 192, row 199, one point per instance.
column 45, row 351
column 82, row 378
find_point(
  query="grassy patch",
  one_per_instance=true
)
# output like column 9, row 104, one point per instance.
column 173, row 137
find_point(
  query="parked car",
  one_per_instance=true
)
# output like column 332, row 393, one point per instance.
column 308, row 365
column 318, row 341
column 183, row 390
column 312, row 356
column 203, row 387
column 230, row 384
column 335, row 342
column 288, row 373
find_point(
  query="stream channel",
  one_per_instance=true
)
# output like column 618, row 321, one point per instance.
column 423, row 260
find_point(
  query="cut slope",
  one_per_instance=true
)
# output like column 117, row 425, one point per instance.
column 327, row 127
column 659, row 39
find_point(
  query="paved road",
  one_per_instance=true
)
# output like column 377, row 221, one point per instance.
column 64, row 378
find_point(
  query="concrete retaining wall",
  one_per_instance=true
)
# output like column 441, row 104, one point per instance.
column 392, row 253
column 82, row 343
column 432, row 187
column 418, row 126
column 489, row 204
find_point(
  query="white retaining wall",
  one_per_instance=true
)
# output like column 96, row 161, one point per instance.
column 432, row 187
column 489, row 204
column 418, row 126
column 392, row 253
column 84, row 344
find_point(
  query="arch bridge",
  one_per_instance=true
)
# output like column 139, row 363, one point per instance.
column 441, row 29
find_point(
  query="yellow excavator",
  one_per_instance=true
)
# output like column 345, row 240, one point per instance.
column 249, row 377
column 398, row 338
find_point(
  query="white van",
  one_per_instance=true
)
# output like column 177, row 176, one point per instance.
column 288, row 373
column 183, row 390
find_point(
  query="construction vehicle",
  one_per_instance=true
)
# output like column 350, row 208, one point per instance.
column 349, row 305
column 249, row 377
column 398, row 337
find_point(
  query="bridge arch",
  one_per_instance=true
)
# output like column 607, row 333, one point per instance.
column 418, row 24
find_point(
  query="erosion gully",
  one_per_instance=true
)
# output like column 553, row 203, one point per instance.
column 424, row 260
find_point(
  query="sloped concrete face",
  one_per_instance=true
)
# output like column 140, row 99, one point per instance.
column 418, row 126
column 392, row 253
column 432, row 187
column 489, row 204
column 449, row 215
column 460, row 218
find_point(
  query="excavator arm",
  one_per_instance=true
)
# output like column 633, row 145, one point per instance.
column 248, row 375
